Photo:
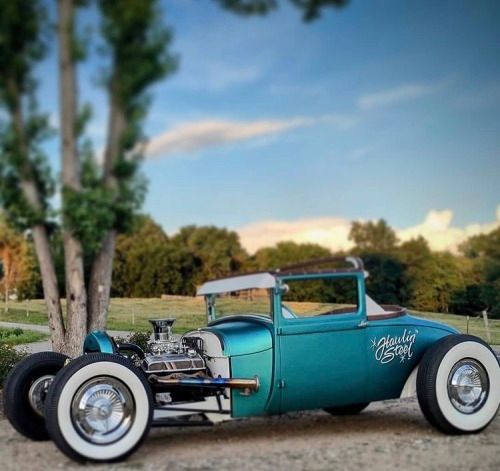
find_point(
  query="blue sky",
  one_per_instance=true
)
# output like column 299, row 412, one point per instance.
column 281, row 129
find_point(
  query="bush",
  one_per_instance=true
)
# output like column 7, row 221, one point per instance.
column 9, row 357
column 6, row 333
column 141, row 339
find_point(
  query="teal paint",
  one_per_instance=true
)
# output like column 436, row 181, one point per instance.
column 323, row 361
column 98, row 342
column 247, row 366
column 315, row 362
column 243, row 335
column 393, row 352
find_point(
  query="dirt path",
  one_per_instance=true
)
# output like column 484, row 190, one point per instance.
column 388, row 436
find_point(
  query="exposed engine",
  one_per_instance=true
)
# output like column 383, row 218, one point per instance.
column 170, row 355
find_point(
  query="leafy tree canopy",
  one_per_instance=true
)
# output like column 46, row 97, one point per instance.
column 373, row 236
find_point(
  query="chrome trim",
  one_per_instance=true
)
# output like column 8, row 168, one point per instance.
column 103, row 410
column 468, row 386
column 38, row 392
column 231, row 383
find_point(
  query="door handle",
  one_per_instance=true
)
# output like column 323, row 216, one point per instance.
column 362, row 324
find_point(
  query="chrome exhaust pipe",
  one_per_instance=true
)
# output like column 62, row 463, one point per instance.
column 215, row 383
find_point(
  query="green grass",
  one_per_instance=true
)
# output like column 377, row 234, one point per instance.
column 133, row 315
column 19, row 336
column 124, row 314
column 476, row 324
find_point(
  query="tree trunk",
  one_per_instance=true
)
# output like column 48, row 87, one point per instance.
column 76, row 295
column 39, row 231
column 100, row 284
column 102, row 267
column 6, row 294
column 50, row 288
column 7, row 268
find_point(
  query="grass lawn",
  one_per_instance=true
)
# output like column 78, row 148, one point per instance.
column 133, row 315
column 19, row 336
column 124, row 314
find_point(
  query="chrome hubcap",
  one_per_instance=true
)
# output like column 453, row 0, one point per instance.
column 103, row 410
column 468, row 386
column 38, row 392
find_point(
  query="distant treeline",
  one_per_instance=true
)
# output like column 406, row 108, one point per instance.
column 149, row 263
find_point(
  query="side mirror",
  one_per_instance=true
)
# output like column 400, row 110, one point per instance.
column 284, row 289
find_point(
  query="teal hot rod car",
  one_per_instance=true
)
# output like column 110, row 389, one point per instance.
column 291, row 339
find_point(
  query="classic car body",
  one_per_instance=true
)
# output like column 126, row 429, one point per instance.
column 266, row 349
column 321, row 361
column 311, row 362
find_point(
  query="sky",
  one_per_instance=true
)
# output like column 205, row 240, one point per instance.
column 283, row 130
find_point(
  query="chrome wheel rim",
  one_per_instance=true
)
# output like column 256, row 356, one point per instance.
column 468, row 386
column 38, row 392
column 103, row 410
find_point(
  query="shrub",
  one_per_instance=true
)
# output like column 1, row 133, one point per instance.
column 6, row 333
column 141, row 339
column 9, row 357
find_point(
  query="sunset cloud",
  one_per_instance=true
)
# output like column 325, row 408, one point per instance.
column 329, row 232
column 333, row 232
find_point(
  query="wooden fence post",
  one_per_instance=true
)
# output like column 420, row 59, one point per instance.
column 486, row 325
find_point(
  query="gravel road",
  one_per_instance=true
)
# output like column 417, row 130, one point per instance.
column 391, row 435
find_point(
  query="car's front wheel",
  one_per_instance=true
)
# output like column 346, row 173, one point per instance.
column 99, row 408
column 458, row 384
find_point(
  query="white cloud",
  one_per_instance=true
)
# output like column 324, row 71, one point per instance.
column 333, row 232
column 395, row 95
column 329, row 232
column 195, row 136
column 438, row 230
column 360, row 152
column 217, row 77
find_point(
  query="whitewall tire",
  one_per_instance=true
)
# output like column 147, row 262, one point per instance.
column 25, row 393
column 99, row 408
column 458, row 384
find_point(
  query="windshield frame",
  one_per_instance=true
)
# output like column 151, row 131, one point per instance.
column 211, row 306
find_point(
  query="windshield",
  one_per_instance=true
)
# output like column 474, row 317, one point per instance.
column 236, row 303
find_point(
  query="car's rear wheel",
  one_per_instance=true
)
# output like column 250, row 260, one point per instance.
column 99, row 408
column 458, row 384
column 351, row 409
column 26, row 389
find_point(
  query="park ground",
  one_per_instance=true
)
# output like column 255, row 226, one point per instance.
column 390, row 435
column 132, row 314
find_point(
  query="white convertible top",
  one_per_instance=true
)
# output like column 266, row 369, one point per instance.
column 236, row 283
column 265, row 281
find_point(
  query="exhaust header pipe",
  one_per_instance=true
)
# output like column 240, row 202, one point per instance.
column 214, row 383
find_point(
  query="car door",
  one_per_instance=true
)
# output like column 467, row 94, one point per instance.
column 321, row 356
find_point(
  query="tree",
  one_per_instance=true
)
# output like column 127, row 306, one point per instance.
column 434, row 278
column 97, row 202
column 18, row 274
column 311, row 8
column 376, row 243
column 484, row 252
column 373, row 236
column 215, row 252
column 148, row 264
column 387, row 282
column 286, row 253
